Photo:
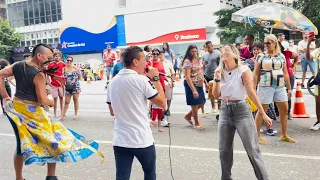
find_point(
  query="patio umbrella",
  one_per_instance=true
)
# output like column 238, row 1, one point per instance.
column 274, row 15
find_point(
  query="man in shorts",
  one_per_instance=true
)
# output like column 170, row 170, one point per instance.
column 109, row 58
column 315, row 55
column 56, row 87
column 168, row 68
column 211, row 60
column 302, row 48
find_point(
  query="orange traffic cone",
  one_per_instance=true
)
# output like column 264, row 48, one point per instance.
column 299, row 109
column 177, row 77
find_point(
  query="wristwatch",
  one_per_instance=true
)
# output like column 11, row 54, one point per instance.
column 217, row 80
column 155, row 78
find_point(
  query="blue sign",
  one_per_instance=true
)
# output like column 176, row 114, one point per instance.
column 78, row 40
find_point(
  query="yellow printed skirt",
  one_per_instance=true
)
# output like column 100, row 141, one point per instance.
column 43, row 139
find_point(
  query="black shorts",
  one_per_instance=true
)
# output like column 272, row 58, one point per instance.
column 208, row 79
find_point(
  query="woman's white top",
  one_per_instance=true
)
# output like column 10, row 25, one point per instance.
column 231, row 84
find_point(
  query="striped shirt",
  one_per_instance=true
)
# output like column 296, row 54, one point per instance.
column 271, row 71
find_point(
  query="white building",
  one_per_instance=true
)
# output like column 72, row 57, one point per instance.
column 37, row 20
column 86, row 27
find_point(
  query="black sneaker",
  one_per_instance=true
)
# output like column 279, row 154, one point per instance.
column 51, row 178
column 271, row 132
column 168, row 113
column 290, row 117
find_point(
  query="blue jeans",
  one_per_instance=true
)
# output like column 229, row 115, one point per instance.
column 124, row 158
column 238, row 116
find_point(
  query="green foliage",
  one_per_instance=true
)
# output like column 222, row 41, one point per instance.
column 230, row 30
column 311, row 9
column 8, row 39
column 246, row 3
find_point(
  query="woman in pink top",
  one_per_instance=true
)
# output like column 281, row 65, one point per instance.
column 290, row 67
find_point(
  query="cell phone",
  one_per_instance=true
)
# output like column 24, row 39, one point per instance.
column 312, row 35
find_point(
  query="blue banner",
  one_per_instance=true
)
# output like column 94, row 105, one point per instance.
column 74, row 39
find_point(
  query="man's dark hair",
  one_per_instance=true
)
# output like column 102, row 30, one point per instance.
column 3, row 63
column 258, row 45
column 69, row 57
column 208, row 42
column 39, row 48
column 280, row 34
column 251, row 36
column 155, row 49
column 129, row 54
column 26, row 55
column 146, row 48
column 238, row 44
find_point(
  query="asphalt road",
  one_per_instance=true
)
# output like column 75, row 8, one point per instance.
column 194, row 154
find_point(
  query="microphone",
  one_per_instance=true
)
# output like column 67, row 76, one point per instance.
column 160, row 73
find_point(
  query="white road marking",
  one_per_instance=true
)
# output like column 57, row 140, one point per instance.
column 172, row 112
column 294, row 156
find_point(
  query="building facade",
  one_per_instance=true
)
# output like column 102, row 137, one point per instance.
column 122, row 23
column 37, row 20
column 3, row 11
column 85, row 29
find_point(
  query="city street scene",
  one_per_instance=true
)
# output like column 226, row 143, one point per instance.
column 163, row 89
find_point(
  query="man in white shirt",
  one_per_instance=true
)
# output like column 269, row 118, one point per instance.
column 127, row 97
column 282, row 40
column 168, row 68
column 292, row 46
column 302, row 48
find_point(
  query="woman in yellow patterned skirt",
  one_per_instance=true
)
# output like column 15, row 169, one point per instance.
column 41, row 138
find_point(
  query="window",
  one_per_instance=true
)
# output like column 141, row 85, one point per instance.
column 32, row 12
column 122, row 3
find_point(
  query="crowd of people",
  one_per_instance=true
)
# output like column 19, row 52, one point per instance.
column 261, row 73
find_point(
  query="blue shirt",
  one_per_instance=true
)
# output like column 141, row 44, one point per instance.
column 117, row 68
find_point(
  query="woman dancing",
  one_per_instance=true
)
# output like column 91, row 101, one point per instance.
column 41, row 138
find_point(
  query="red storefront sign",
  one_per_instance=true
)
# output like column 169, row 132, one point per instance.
column 180, row 36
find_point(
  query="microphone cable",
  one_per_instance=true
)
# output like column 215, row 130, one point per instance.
column 169, row 130
column 170, row 159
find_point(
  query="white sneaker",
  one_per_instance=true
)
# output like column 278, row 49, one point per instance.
column 261, row 130
column 213, row 111
column 165, row 123
column 315, row 127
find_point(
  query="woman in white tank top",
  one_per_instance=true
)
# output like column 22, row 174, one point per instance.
column 233, row 82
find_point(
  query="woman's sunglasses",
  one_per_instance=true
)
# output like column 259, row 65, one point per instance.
column 267, row 43
column 155, row 54
column 69, row 61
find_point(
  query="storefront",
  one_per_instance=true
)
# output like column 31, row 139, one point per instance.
column 88, row 27
column 18, row 52
column 153, row 28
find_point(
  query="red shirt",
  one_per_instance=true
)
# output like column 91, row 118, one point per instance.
column 159, row 66
column 55, row 64
column 245, row 52
column 109, row 57
column 288, row 55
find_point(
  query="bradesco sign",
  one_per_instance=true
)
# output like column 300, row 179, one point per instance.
column 179, row 36
column 188, row 35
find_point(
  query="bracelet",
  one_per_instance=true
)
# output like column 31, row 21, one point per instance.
column 217, row 80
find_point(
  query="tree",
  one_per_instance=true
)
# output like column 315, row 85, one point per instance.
column 246, row 3
column 8, row 39
column 230, row 30
column 309, row 8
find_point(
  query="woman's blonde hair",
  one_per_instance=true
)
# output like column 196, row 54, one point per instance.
column 273, row 38
column 234, row 51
